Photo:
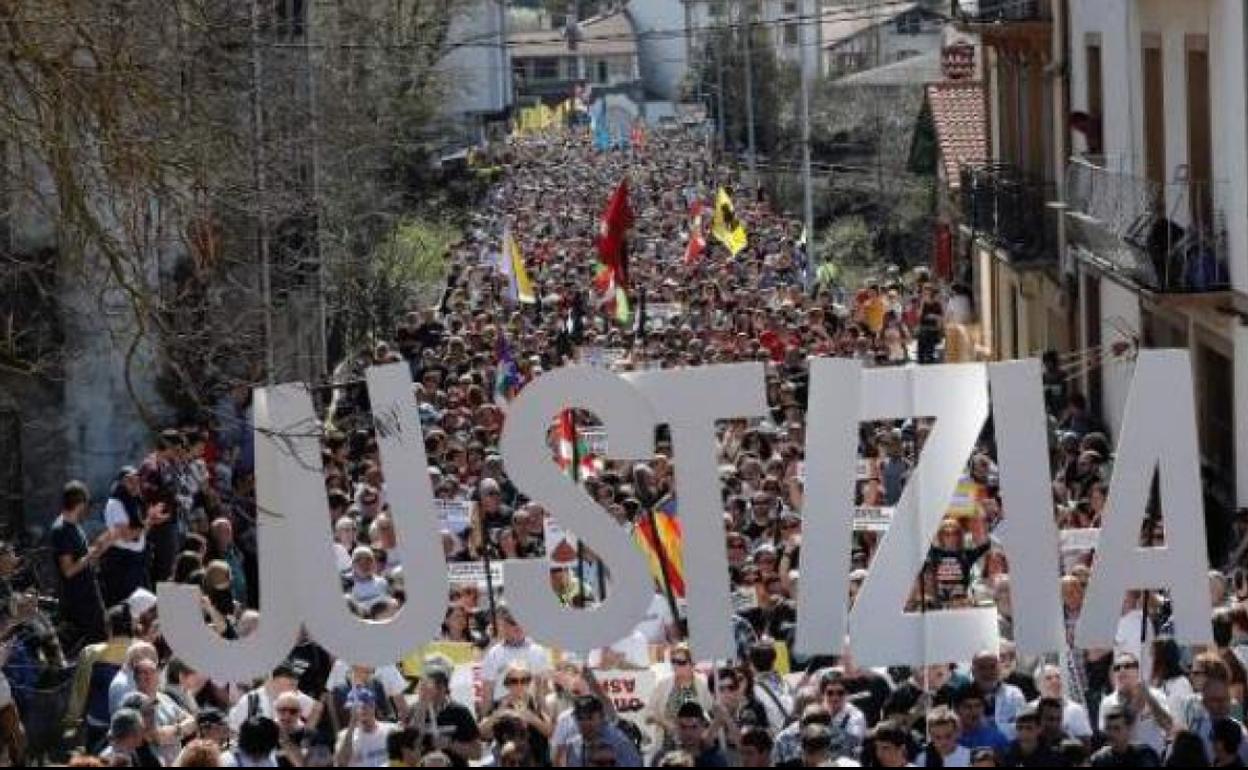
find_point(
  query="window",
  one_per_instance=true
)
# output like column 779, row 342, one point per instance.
column 791, row 34
column 546, row 69
column 790, row 7
column 1154, row 111
column 1096, row 100
column 909, row 24
column 603, row 71
column 290, row 19
column 1199, row 132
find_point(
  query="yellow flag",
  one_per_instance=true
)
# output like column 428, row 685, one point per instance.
column 725, row 227
column 524, row 285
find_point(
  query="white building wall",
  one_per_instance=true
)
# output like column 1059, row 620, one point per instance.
column 478, row 75
column 664, row 49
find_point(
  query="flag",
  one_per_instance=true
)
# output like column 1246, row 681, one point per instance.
column 511, row 264
column 611, row 280
column 602, row 134
column 725, row 226
column 697, row 240
column 507, row 375
column 575, row 459
column 668, row 540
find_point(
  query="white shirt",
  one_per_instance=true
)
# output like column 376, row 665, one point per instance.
column 391, row 678
column 115, row 515
column 264, row 707
column 1008, row 701
column 961, row 757
column 369, row 749
column 500, row 656
column 658, row 618
column 634, row 648
column 1146, row 730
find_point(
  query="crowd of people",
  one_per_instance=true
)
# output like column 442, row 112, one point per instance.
column 186, row 513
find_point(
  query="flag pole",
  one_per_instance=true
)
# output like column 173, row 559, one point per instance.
column 574, row 468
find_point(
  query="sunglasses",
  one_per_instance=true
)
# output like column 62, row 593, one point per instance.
column 680, row 661
column 1126, row 666
column 513, row 681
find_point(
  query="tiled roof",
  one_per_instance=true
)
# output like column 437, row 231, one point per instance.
column 961, row 125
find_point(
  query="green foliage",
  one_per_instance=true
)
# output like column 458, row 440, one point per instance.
column 406, row 269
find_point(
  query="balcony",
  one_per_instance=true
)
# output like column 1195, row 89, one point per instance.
column 1165, row 238
column 1003, row 204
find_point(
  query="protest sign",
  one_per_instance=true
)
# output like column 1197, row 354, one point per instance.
column 595, row 441
column 473, row 572
column 872, row 518
column 458, row 653
column 629, row 692
column 455, row 515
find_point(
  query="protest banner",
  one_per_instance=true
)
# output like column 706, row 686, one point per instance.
column 458, row 653
column 473, row 573
column 595, row 441
column 873, row 518
column 629, row 692
column 455, row 515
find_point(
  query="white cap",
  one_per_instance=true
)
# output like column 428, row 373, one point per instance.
column 140, row 602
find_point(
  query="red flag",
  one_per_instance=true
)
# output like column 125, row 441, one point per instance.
column 697, row 243
column 616, row 221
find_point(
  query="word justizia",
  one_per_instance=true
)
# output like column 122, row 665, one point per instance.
column 300, row 587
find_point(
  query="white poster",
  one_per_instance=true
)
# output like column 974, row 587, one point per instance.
column 872, row 518
column 473, row 573
column 455, row 515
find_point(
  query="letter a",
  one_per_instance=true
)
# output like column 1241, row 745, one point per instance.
column 1159, row 433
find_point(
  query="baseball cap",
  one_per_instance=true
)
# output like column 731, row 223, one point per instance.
column 140, row 602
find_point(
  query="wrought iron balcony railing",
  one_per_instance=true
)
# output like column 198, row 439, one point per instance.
column 1001, row 202
column 1168, row 238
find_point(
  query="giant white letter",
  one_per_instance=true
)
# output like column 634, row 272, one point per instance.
column 827, row 514
column 1159, row 433
column 630, row 425
column 328, row 619
column 1028, row 533
column 882, row 633
column 691, row 401
column 181, row 609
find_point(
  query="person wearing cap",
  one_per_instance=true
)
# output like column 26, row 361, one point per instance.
column 210, row 725
column 449, row 725
column 595, row 732
column 123, row 567
column 259, row 702
column 362, row 743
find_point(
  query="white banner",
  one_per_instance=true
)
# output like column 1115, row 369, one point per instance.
column 462, row 572
column 595, row 441
column 872, row 519
column 629, row 692
column 455, row 515
column 1079, row 540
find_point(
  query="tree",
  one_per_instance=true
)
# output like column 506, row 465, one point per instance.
column 189, row 166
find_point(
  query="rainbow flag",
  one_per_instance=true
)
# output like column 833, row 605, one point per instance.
column 669, row 538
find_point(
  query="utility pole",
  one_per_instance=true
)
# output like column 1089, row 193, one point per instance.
column 314, row 126
column 808, row 200
column 261, row 195
column 719, row 96
column 749, row 95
